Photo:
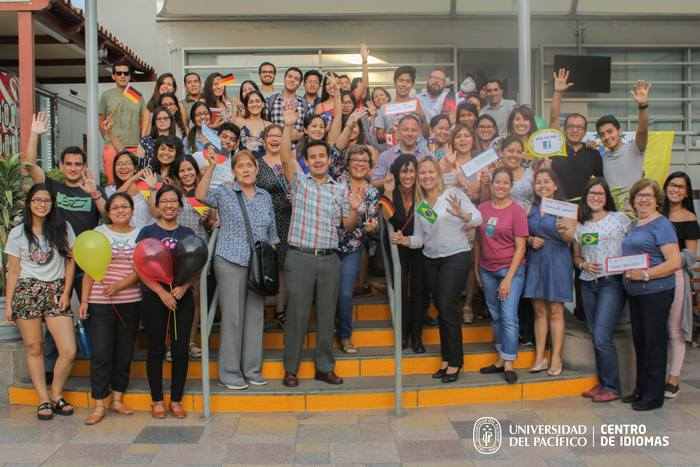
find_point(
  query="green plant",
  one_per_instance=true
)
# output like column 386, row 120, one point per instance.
column 11, row 200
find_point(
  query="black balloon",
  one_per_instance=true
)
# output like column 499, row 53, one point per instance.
column 189, row 257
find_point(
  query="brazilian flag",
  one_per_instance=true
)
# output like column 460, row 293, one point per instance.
column 589, row 239
column 426, row 212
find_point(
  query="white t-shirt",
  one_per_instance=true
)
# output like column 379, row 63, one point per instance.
column 600, row 240
column 623, row 167
column 38, row 261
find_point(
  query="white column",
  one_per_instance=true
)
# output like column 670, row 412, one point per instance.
column 94, row 151
column 524, row 53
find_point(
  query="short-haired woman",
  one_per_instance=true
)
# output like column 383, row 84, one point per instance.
column 650, row 291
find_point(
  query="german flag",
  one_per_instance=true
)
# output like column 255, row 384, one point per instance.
column 201, row 208
column 387, row 205
column 132, row 94
column 228, row 80
column 145, row 190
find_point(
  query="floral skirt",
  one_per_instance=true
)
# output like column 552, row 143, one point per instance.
column 35, row 299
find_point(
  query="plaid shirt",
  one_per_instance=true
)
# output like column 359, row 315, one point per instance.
column 275, row 110
column 317, row 211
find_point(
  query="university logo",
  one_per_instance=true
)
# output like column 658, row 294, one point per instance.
column 487, row 435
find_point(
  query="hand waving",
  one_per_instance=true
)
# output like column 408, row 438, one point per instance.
column 561, row 80
column 640, row 92
column 40, row 123
column 290, row 114
column 455, row 208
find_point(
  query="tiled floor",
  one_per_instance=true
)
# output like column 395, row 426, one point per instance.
column 420, row 437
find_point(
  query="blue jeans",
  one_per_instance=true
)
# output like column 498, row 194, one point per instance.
column 349, row 269
column 603, row 300
column 504, row 313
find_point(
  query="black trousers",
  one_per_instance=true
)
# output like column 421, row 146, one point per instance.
column 447, row 277
column 413, row 306
column 112, row 346
column 649, row 316
column 157, row 322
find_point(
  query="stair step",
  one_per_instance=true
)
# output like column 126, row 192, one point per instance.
column 355, row 394
column 369, row 361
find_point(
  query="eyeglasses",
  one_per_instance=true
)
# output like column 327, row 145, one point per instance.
column 201, row 114
column 119, row 206
column 359, row 161
column 41, row 200
column 600, row 194
column 122, row 73
column 168, row 201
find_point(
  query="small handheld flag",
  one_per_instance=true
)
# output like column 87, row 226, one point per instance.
column 426, row 212
column 387, row 205
column 228, row 80
column 132, row 94
column 198, row 206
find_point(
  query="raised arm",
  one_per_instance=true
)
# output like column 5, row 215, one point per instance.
column 337, row 123
column 561, row 84
column 106, row 125
column 40, row 125
column 364, row 53
column 203, row 186
column 289, row 161
column 343, row 140
column 640, row 94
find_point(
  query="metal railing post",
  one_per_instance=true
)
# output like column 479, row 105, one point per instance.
column 205, row 328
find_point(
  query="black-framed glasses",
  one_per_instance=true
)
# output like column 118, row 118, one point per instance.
column 122, row 73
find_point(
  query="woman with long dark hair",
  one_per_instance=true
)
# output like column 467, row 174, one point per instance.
column 200, row 115
column 253, row 123
column 113, row 308
column 549, row 280
column 168, row 150
column 162, row 124
column 164, row 84
column 400, row 189
column 678, row 208
column 330, row 90
column 223, row 109
column 38, row 286
column 170, row 102
column 599, row 236
column 486, row 132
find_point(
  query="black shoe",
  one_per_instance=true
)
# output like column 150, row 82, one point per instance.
column 49, row 377
column 328, row 378
column 510, row 376
column 491, row 369
column 671, row 391
column 631, row 398
column 418, row 346
column 440, row 373
column 643, row 406
column 451, row 377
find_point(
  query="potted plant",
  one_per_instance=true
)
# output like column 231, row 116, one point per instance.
column 11, row 206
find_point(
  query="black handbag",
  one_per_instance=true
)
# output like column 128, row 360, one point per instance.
column 263, row 272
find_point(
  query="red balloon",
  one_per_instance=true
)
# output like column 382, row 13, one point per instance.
column 153, row 261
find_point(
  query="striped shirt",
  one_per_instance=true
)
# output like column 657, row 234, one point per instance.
column 123, row 245
column 317, row 211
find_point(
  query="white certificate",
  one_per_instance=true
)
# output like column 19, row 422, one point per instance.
column 559, row 208
column 396, row 108
column 626, row 263
column 483, row 160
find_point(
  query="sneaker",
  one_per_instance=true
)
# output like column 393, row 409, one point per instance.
column 671, row 391
column 347, row 347
column 257, row 382
column 236, row 387
column 467, row 314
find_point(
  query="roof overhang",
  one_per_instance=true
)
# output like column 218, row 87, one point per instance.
column 241, row 10
column 59, row 37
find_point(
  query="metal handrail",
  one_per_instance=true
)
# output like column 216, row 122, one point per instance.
column 392, row 268
column 206, row 321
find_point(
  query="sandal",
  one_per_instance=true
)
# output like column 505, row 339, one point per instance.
column 347, row 347
column 158, row 410
column 120, row 408
column 44, row 407
column 195, row 352
column 62, row 407
column 96, row 416
column 281, row 317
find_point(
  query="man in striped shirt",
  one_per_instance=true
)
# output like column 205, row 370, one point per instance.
column 319, row 206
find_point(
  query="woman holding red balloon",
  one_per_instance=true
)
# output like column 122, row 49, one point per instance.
column 153, row 262
column 113, row 306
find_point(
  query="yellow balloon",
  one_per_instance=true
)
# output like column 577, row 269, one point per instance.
column 93, row 253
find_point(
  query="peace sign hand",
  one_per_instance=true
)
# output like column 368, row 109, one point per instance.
column 88, row 182
column 561, row 80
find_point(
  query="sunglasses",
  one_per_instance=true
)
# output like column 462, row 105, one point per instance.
column 122, row 73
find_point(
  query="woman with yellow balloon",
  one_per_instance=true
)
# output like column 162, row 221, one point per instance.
column 111, row 296
column 39, row 282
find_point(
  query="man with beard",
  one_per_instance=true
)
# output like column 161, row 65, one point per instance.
column 312, row 85
column 498, row 107
column 435, row 98
column 277, row 102
column 267, row 72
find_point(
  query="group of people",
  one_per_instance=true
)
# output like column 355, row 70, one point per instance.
column 312, row 174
